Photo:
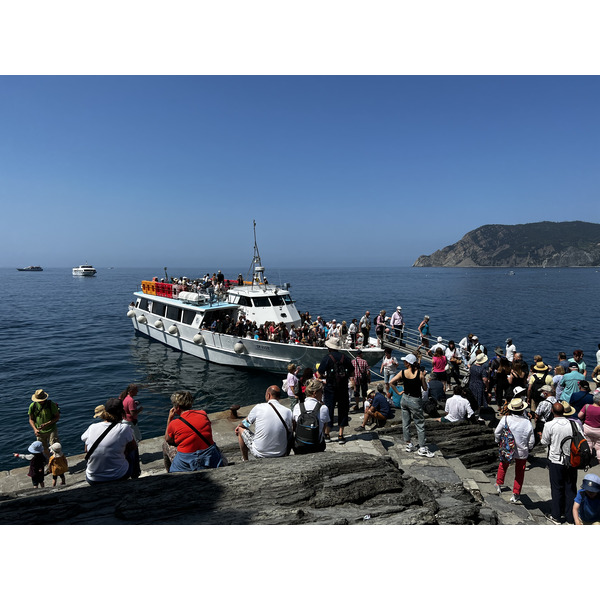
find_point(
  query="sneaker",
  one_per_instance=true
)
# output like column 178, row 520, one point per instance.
column 514, row 499
column 359, row 428
column 410, row 447
column 498, row 489
column 424, row 451
column 327, row 437
column 553, row 520
column 341, row 440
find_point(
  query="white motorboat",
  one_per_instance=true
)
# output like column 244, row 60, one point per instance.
column 186, row 321
column 84, row 270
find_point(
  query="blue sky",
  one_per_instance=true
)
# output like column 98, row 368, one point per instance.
column 336, row 170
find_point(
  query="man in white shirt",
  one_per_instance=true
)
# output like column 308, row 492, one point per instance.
column 397, row 325
column 510, row 350
column 457, row 408
column 439, row 344
column 563, row 477
column 271, row 436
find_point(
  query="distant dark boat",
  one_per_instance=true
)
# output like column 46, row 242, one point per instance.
column 31, row 269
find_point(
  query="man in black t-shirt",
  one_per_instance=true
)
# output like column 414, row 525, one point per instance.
column 336, row 368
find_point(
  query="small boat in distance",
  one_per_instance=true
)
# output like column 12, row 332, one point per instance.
column 84, row 270
column 30, row 269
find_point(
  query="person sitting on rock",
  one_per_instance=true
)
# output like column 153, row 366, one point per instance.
column 314, row 399
column 378, row 409
column 272, row 434
column 457, row 408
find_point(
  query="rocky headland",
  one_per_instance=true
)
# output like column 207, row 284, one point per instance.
column 544, row 244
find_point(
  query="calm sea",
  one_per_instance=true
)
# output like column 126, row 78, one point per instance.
column 70, row 335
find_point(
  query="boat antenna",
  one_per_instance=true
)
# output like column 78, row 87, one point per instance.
column 256, row 269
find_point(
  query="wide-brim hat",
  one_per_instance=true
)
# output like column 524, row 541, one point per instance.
column 39, row 396
column 333, row 343
column 481, row 358
column 370, row 393
column 499, row 351
column 98, row 411
column 596, row 379
column 56, row 449
column 591, row 483
column 546, row 388
column 540, row 367
column 36, row 448
column 569, row 410
column 517, row 405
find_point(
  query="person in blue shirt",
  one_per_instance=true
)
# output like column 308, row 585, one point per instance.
column 586, row 507
column 579, row 399
column 379, row 410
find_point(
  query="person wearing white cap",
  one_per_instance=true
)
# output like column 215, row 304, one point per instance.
column 439, row 344
column 586, row 507
column 397, row 325
column 57, row 465
column 411, row 404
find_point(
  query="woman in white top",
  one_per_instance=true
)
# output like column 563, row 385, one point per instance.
column 522, row 429
column 293, row 386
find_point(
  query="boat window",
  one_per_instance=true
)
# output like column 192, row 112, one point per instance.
column 143, row 303
column 244, row 301
column 287, row 299
column 158, row 309
column 188, row 316
column 277, row 300
column 173, row 312
column 261, row 301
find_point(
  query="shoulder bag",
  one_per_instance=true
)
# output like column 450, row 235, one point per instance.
column 290, row 435
column 97, row 442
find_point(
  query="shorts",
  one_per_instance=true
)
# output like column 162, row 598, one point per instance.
column 248, row 438
column 387, row 375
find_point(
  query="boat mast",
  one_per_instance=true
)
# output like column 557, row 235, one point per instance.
column 256, row 269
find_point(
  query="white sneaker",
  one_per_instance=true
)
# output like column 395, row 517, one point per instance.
column 424, row 451
column 498, row 489
column 410, row 447
column 514, row 499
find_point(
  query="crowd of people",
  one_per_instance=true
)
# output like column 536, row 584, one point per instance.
column 538, row 403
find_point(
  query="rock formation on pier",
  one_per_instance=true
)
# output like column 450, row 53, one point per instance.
column 545, row 244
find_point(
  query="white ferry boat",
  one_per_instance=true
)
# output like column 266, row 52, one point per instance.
column 185, row 320
column 84, row 270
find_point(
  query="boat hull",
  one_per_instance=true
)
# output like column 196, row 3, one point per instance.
column 233, row 351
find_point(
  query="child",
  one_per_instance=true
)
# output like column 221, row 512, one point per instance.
column 58, row 464
column 586, row 508
column 37, row 464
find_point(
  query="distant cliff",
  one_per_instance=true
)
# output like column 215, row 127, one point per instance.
column 545, row 244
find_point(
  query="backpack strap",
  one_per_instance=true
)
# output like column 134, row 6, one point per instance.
column 97, row 442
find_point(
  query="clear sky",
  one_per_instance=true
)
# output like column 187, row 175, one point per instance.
column 336, row 170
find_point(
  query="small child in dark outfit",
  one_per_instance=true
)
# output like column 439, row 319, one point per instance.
column 37, row 464
column 57, row 464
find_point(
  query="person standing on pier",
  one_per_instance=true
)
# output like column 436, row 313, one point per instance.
column 365, row 327
column 510, row 350
column 413, row 380
column 43, row 417
column 336, row 368
column 362, row 377
column 424, row 333
column 397, row 325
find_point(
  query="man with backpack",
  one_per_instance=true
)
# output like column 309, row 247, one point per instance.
column 563, row 477
column 336, row 368
column 43, row 416
column 311, row 420
column 540, row 376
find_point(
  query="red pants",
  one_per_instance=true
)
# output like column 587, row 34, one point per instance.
column 520, row 464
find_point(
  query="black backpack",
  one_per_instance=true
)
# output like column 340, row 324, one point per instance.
column 340, row 374
column 307, row 426
column 538, row 382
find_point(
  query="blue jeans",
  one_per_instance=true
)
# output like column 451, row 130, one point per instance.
column 412, row 411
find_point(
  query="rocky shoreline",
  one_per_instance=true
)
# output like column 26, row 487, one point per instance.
column 369, row 480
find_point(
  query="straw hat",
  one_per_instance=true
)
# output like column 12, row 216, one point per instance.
column 518, row 391
column 98, row 411
column 540, row 367
column 517, row 405
column 481, row 358
column 569, row 410
column 333, row 343
column 39, row 396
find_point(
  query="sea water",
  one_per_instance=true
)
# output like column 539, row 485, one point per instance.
column 71, row 336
